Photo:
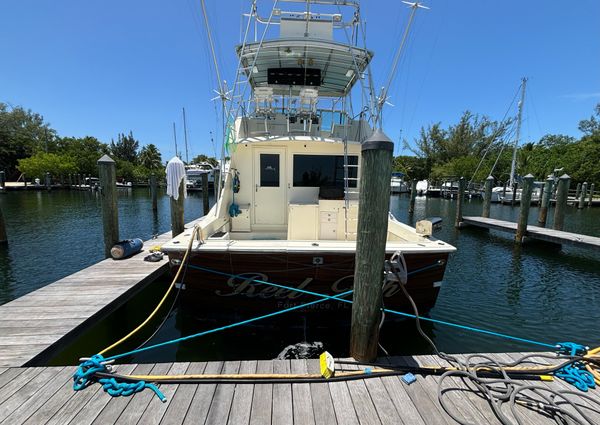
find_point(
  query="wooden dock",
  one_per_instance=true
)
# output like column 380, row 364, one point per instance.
column 534, row 232
column 31, row 326
column 45, row 396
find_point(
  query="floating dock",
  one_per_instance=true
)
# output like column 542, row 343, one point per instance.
column 534, row 232
column 46, row 396
column 31, row 325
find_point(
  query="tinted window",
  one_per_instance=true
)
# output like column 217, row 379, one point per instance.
column 269, row 170
column 323, row 170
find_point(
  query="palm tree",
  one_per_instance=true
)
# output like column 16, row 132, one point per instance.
column 150, row 157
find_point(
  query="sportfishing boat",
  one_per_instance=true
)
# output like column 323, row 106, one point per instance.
column 195, row 171
column 288, row 206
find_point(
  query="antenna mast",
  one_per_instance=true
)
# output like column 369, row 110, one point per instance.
column 518, row 136
column 175, row 138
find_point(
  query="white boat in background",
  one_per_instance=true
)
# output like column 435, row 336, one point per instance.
column 397, row 184
column 195, row 171
column 422, row 187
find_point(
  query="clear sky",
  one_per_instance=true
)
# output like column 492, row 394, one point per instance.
column 102, row 67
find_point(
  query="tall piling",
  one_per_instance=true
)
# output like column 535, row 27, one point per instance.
column 487, row 196
column 3, row 234
column 177, row 192
column 24, row 181
column 515, row 186
column 413, row 196
column 153, row 192
column 546, row 194
column 582, row 196
column 591, row 195
column 460, row 197
column 2, row 179
column 524, row 210
column 177, row 224
column 205, row 203
column 48, row 181
column 577, row 191
column 562, row 193
column 373, row 213
column 108, row 194
column 217, row 183
column 504, row 191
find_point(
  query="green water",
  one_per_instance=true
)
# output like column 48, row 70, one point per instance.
column 532, row 291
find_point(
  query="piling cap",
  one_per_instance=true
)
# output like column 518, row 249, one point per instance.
column 565, row 176
column 379, row 141
column 529, row 176
column 106, row 159
column 490, row 177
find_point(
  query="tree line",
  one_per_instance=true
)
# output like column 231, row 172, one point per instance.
column 477, row 146
column 28, row 145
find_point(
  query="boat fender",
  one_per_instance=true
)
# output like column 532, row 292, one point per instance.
column 126, row 248
column 234, row 210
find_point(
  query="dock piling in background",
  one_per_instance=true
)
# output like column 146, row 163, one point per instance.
column 504, row 191
column 217, row 183
column 591, row 195
column 487, row 197
column 577, row 191
column 205, row 204
column 582, row 196
column 2, row 179
column 413, row 195
column 24, row 181
column 48, row 182
column 177, row 225
column 525, row 204
column 153, row 192
column 546, row 194
column 460, row 196
column 373, row 213
column 108, row 194
column 3, row 235
column 562, row 193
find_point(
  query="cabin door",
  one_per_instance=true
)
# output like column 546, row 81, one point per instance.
column 269, row 187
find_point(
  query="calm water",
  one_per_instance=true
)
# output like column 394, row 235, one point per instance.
column 530, row 291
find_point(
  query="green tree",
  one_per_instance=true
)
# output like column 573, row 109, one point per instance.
column 592, row 125
column 22, row 134
column 41, row 163
column 150, row 157
column 203, row 158
column 85, row 151
column 126, row 148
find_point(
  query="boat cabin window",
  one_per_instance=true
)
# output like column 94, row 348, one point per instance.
column 269, row 170
column 323, row 170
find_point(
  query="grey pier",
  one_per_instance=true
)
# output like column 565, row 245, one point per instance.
column 534, row 232
column 45, row 396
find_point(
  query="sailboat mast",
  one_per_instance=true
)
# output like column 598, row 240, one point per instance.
column 187, row 159
column 518, row 135
column 175, row 138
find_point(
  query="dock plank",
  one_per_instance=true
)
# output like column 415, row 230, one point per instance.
column 181, row 400
column 261, row 410
column 323, row 410
column 282, row 395
column 219, row 410
column 198, row 409
column 242, row 399
column 302, row 400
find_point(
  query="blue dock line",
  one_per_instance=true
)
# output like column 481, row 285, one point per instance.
column 232, row 325
column 399, row 313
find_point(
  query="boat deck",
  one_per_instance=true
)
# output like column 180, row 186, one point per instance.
column 34, row 323
column 45, row 396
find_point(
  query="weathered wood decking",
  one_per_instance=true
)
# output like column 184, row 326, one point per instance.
column 45, row 396
column 32, row 323
column 534, row 232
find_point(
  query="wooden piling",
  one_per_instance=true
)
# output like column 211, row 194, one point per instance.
column 78, row 180
column 546, row 194
column 413, row 196
column 578, row 191
column 591, row 195
column 582, row 196
column 515, row 186
column 2, row 179
column 24, row 181
column 153, row 192
column 525, row 204
column 562, row 193
column 177, row 224
column 373, row 211
column 48, row 181
column 460, row 197
column 70, row 180
column 108, row 194
column 3, row 235
column 217, row 183
column 487, row 197
column 205, row 203
column 504, row 191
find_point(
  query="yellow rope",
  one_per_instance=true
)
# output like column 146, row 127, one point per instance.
column 171, row 286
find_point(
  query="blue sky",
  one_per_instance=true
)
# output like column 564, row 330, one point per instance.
column 100, row 68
